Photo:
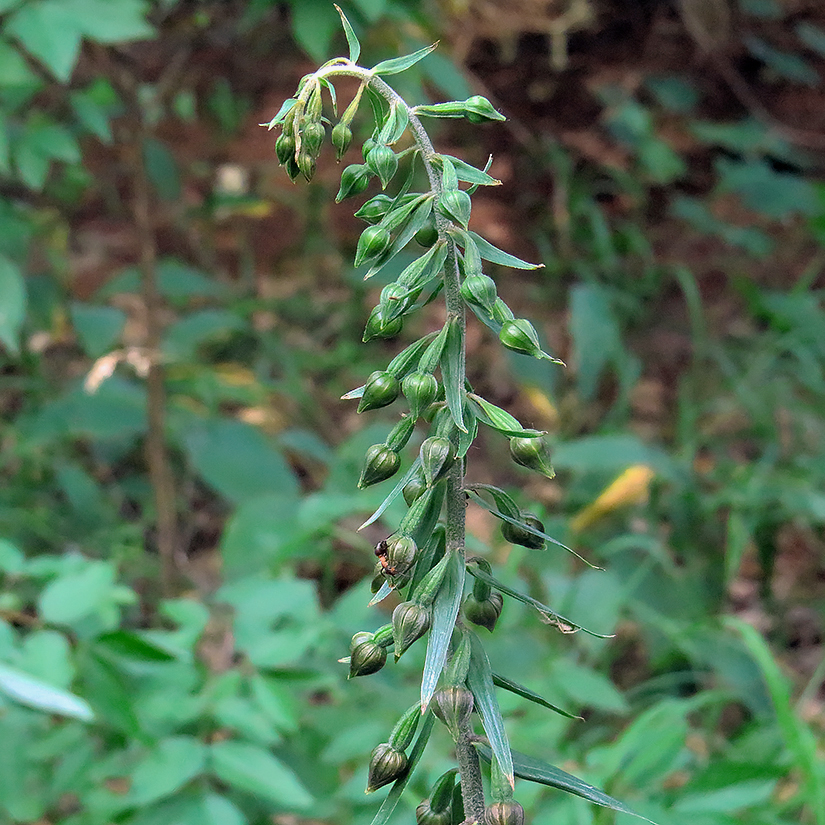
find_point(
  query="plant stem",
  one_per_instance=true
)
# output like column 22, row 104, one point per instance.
column 472, row 789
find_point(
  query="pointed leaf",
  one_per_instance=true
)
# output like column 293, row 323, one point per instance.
column 549, row 616
column 501, row 420
column 453, row 373
column 529, row 528
column 526, row 693
column 400, row 64
column 417, row 220
column 383, row 591
column 282, row 113
column 422, row 270
column 389, row 804
column 499, row 256
column 480, row 682
column 445, row 612
column 35, row 694
column 394, row 493
column 466, row 439
column 504, row 503
column 534, row 770
column 469, row 174
column 352, row 40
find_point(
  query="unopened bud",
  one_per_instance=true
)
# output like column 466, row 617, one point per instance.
column 483, row 612
column 380, row 463
column 366, row 658
column 381, row 389
column 533, row 454
column 386, row 765
column 504, row 813
column 410, row 621
column 516, row 534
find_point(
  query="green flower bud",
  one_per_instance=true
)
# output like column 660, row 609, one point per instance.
column 437, row 456
column 428, row 234
column 420, row 390
column 404, row 730
column 413, row 489
column 383, row 162
column 373, row 243
column 367, row 657
column 386, row 765
column 368, row 145
column 479, row 290
column 292, row 169
column 381, row 389
column 483, row 612
column 504, row 813
column 518, row 535
column 453, row 706
column 341, row 139
column 379, row 327
column 312, row 138
column 354, row 180
column 400, row 434
column 501, row 312
column 533, row 454
column 375, row 209
column 380, row 464
column 397, row 298
column 478, row 109
column 429, row 586
column 400, row 555
column 441, row 796
column 306, row 163
column 410, row 621
column 285, row 148
column 456, row 205
column 359, row 637
column 519, row 335
column 425, row 815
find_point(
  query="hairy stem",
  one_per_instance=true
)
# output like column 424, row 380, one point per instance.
column 472, row 789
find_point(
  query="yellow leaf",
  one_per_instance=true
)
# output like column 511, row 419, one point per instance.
column 631, row 487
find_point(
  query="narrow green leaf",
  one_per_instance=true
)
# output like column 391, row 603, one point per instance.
column 35, row 694
column 549, row 616
column 526, row 693
column 798, row 736
column 451, row 370
column 394, row 493
column 281, row 114
column 504, row 503
column 352, row 40
column 420, row 214
column 480, row 682
column 422, row 270
column 504, row 517
column 383, row 591
column 501, row 420
column 534, row 770
column 445, row 612
column 128, row 645
column 452, row 108
column 400, row 64
column 469, row 174
column 408, row 358
column 499, row 256
column 332, row 96
column 466, row 439
column 389, row 804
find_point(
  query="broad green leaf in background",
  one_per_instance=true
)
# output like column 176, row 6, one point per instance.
column 799, row 737
column 98, row 327
column 78, row 594
column 256, row 771
column 12, row 560
column 238, row 461
column 595, row 333
column 12, row 305
column 166, row 768
column 51, row 30
column 36, row 694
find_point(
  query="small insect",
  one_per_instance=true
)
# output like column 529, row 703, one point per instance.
column 381, row 550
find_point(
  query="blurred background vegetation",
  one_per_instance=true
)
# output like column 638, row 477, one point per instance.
column 178, row 322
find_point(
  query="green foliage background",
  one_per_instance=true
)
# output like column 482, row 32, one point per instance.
column 220, row 699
